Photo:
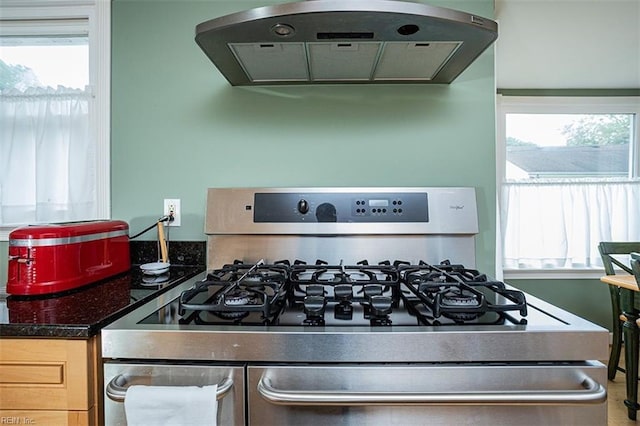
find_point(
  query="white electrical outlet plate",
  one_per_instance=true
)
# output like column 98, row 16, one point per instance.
column 172, row 205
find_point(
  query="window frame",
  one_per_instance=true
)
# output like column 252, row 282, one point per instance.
column 506, row 104
column 97, row 15
column 38, row 17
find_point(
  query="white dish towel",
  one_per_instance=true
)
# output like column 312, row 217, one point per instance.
column 171, row 405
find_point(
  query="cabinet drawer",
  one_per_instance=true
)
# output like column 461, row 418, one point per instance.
column 47, row 374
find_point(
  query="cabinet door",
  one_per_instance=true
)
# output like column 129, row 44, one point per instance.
column 48, row 374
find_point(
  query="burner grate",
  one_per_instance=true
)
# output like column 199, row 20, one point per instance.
column 461, row 294
column 323, row 293
column 375, row 287
column 234, row 291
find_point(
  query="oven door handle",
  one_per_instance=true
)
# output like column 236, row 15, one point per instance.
column 593, row 393
column 116, row 389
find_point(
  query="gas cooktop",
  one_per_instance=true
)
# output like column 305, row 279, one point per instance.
column 319, row 294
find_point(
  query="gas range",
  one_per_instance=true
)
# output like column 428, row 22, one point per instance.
column 416, row 297
column 319, row 294
column 415, row 331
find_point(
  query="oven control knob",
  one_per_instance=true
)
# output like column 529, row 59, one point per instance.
column 303, row 206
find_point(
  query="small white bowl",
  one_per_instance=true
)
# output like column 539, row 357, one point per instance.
column 155, row 268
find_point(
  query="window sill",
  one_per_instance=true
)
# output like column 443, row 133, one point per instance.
column 553, row 274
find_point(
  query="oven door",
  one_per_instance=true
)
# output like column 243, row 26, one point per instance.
column 230, row 380
column 389, row 394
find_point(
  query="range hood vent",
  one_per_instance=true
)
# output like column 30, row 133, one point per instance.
column 345, row 41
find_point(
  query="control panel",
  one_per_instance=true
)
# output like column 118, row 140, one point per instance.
column 341, row 207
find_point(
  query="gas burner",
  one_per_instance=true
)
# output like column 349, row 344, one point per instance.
column 460, row 298
column 341, row 278
column 231, row 315
column 238, row 298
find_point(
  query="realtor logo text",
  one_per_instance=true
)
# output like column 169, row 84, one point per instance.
column 17, row 421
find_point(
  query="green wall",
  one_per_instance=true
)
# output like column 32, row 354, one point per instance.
column 587, row 298
column 178, row 127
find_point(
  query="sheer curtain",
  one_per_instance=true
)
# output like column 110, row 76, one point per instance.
column 559, row 224
column 47, row 157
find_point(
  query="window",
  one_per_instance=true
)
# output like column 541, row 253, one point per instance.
column 568, row 179
column 48, row 60
column 54, row 111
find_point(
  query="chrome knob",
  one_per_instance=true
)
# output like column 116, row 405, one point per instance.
column 303, row 206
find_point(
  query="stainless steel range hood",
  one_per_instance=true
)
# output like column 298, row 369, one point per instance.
column 345, row 41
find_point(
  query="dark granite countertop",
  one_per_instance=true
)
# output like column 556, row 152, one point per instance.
column 83, row 313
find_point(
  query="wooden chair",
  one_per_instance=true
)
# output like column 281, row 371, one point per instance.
column 613, row 265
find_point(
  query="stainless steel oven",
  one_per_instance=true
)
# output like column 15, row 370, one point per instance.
column 357, row 306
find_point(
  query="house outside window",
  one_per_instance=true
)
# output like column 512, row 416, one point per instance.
column 568, row 179
column 54, row 111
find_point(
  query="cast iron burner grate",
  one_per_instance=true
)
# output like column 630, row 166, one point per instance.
column 459, row 294
column 323, row 294
column 376, row 288
column 237, row 293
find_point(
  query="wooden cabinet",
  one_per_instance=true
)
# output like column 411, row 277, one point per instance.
column 50, row 381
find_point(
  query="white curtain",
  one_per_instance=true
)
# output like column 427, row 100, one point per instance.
column 559, row 224
column 47, row 156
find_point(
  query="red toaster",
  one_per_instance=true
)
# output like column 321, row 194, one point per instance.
column 45, row 259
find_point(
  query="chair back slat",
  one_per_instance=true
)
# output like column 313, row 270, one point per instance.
column 608, row 250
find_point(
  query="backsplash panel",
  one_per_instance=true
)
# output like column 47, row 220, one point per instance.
column 187, row 253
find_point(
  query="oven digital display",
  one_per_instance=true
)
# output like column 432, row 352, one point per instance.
column 379, row 203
